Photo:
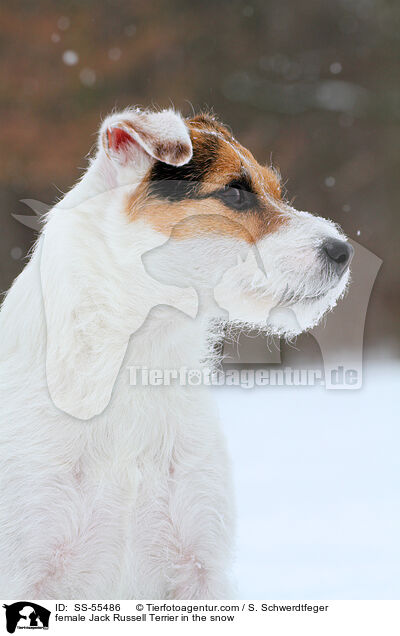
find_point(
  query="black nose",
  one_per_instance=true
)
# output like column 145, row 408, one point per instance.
column 338, row 253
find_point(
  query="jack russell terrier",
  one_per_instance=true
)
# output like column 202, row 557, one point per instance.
column 110, row 490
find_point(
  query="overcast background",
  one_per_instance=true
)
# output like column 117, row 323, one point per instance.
column 313, row 85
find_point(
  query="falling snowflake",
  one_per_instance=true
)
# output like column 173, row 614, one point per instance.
column 63, row 23
column 330, row 182
column 87, row 76
column 16, row 253
column 114, row 54
column 70, row 58
column 335, row 68
column 130, row 30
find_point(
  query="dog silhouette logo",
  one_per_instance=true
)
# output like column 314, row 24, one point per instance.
column 26, row 615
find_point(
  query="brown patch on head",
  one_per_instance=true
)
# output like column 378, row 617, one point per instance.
column 207, row 187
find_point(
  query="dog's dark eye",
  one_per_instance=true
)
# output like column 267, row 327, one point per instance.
column 234, row 196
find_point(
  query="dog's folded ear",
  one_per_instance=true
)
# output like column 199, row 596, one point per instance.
column 134, row 136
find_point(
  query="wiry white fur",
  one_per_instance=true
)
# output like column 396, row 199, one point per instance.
column 135, row 502
column 290, row 286
column 110, row 490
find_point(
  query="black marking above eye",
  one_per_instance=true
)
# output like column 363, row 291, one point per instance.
column 237, row 196
column 184, row 182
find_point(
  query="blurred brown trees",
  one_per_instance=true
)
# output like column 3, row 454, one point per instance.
column 311, row 85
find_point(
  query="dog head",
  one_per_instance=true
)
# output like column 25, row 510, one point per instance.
column 218, row 220
column 231, row 229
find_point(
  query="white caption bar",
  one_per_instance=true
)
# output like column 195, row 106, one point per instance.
column 217, row 617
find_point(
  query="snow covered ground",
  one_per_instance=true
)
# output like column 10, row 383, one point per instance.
column 317, row 477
